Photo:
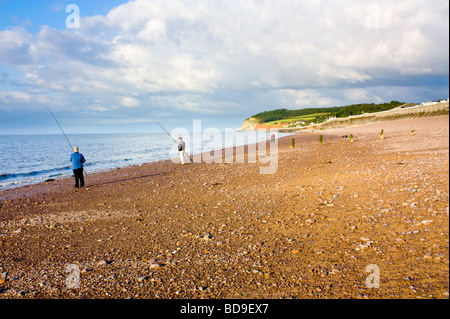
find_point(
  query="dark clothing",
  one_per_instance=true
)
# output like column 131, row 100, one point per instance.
column 79, row 178
column 181, row 146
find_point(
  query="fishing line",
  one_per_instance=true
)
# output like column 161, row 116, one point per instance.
column 71, row 148
column 170, row 136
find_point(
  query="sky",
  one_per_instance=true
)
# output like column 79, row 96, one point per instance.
column 110, row 66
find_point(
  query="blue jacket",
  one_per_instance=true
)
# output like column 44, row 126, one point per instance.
column 77, row 160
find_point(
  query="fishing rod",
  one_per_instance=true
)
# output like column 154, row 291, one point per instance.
column 71, row 148
column 171, row 137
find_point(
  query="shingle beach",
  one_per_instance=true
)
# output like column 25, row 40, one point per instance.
column 316, row 228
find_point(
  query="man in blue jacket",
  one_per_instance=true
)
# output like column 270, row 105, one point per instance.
column 77, row 160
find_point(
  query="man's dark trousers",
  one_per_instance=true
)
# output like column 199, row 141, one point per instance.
column 79, row 178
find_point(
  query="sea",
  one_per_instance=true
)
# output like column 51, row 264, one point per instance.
column 30, row 159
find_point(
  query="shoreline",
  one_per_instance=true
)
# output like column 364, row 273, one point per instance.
column 105, row 170
column 162, row 230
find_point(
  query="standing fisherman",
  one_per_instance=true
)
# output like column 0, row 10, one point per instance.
column 181, row 148
column 77, row 160
column 181, row 145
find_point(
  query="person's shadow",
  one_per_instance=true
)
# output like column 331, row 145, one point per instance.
column 125, row 180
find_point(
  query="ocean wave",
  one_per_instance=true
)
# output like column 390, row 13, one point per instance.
column 55, row 172
column 103, row 152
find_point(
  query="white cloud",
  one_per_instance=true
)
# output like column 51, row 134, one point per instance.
column 129, row 101
column 10, row 97
column 15, row 47
column 184, row 52
column 304, row 98
column 357, row 95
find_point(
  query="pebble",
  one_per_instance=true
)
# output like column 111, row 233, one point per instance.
column 206, row 237
column 142, row 278
column 155, row 266
column 265, row 220
column 104, row 262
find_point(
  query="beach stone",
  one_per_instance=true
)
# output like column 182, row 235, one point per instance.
column 104, row 262
column 206, row 237
column 142, row 278
column 155, row 266
column 264, row 249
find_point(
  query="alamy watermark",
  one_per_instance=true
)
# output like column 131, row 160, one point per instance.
column 373, row 280
column 73, row 19
column 208, row 145
column 73, row 279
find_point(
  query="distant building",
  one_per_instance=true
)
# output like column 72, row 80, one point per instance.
column 434, row 102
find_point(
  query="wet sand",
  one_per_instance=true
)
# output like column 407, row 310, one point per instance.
column 163, row 230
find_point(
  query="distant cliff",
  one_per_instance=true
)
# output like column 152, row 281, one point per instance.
column 252, row 124
column 249, row 124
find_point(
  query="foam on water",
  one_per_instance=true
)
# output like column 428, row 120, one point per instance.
column 29, row 159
